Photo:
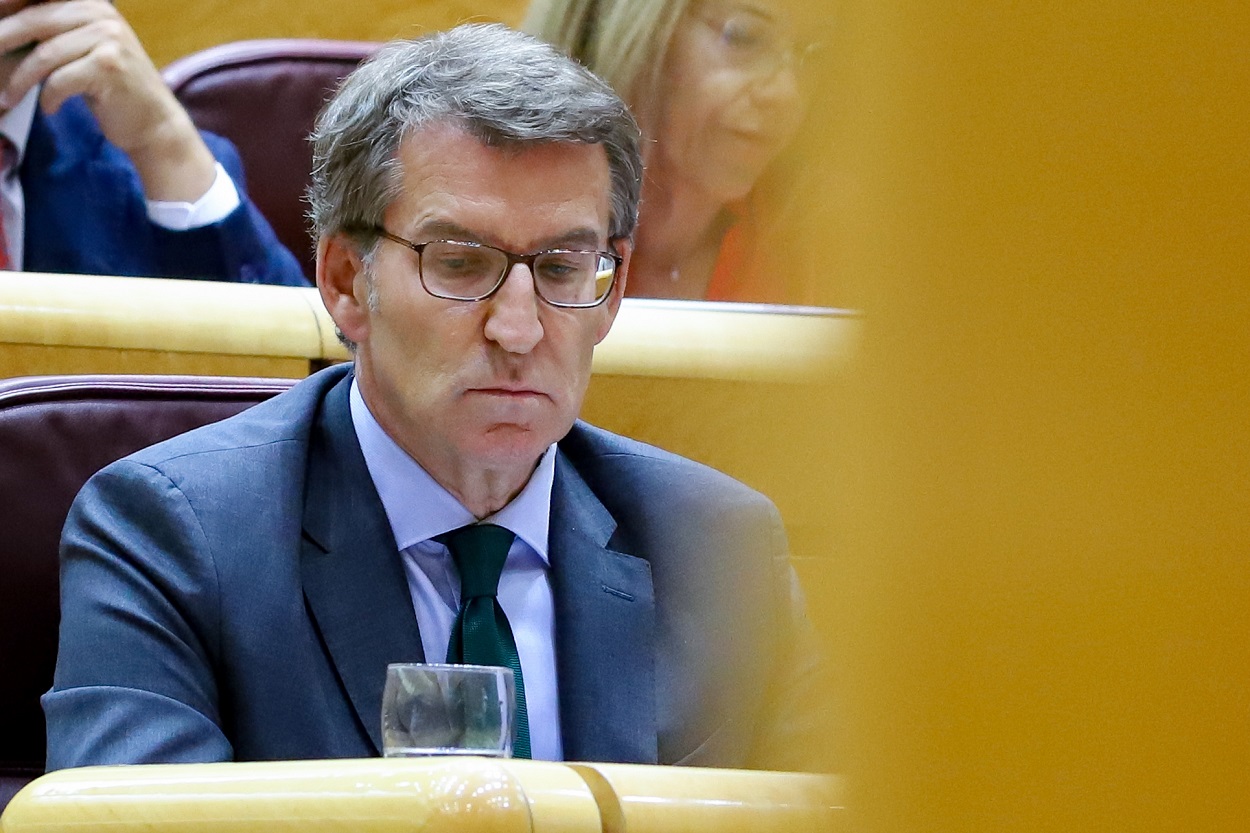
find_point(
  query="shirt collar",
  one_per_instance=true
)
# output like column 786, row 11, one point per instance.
column 16, row 122
column 419, row 508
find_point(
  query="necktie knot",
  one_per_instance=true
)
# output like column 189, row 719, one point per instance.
column 479, row 552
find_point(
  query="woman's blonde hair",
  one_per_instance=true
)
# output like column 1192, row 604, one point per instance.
column 624, row 42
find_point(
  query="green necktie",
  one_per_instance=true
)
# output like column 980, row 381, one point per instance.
column 481, row 634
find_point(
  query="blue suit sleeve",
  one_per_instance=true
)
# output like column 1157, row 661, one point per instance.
column 242, row 247
column 139, row 609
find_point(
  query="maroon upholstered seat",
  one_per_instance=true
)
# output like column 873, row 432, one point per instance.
column 55, row 432
column 264, row 95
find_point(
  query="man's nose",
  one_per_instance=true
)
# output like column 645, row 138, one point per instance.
column 512, row 312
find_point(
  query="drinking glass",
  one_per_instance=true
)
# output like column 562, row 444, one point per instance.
column 432, row 709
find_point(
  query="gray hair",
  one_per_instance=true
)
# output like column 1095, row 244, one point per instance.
column 503, row 87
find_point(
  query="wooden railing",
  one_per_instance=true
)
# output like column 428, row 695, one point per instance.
column 465, row 795
column 92, row 324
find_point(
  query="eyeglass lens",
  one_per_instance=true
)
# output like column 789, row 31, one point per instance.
column 466, row 271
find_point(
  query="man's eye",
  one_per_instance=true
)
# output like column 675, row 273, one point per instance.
column 561, row 268
column 460, row 264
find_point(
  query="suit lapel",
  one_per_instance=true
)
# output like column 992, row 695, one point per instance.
column 605, row 631
column 354, row 581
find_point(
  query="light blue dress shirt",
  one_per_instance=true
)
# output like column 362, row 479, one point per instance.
column 419, row 509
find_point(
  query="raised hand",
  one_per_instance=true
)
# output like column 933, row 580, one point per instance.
column 85, row 47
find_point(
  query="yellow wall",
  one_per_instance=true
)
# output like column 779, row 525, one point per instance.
column 172, row 29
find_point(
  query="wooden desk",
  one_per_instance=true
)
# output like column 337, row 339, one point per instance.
column 60, row 324
column 56, row 324
column 432, row 795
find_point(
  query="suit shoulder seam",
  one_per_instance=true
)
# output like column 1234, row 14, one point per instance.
column 156, row 464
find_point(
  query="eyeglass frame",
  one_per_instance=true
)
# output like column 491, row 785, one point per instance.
column 512, row 260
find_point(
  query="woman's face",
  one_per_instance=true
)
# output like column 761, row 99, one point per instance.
column 731, row 96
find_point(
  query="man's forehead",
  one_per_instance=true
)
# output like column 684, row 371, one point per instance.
column 451, row 178
column 456, row 133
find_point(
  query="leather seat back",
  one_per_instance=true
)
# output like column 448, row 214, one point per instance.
column 55, row 432
column 264, row 95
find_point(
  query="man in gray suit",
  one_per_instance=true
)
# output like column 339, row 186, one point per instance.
column 237, row 592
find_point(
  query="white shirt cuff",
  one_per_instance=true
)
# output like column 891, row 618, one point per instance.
column 218, row 201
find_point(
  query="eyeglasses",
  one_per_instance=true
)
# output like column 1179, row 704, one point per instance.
column 752, row 42
column 459, row 271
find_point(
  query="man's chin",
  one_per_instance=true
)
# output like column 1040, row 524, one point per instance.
column 511, row 446
column 511, row 443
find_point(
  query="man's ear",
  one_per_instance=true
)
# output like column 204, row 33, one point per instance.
column 343, row 285
column 623, row 247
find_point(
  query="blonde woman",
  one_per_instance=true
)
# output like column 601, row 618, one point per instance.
column 717, row 86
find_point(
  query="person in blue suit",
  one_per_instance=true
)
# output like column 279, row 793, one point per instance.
column 237, row 592
column 101, row 169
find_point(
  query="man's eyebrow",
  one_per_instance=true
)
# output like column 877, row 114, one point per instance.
column 444, row 230
column 580, row 238
column 583, row 238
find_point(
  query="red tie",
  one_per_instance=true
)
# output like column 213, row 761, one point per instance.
column 8, row 160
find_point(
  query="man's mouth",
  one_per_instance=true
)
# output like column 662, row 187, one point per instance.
column 519, row 391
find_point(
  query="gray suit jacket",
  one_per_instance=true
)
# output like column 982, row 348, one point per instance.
column 235, row 594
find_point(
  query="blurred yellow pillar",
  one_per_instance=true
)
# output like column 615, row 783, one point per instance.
column 1043, row 476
